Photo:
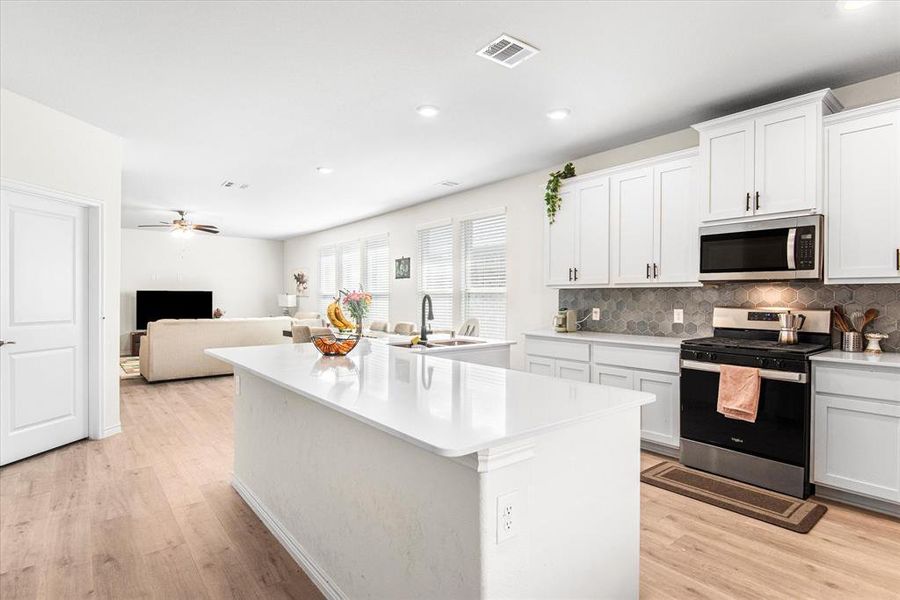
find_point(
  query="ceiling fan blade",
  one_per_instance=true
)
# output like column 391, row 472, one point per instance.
column 205, row 229
column 202, row 225
column 169, row 225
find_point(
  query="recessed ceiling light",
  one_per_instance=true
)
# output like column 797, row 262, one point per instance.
column 324, row 170
column 558, row 114
column 854, row 4
column 427, row 110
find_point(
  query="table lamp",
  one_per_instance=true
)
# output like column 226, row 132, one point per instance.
column 287, row 302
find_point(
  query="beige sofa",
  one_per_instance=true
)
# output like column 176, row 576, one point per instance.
column 173, row 348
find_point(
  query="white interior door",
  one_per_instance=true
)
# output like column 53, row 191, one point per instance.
column 43, row 324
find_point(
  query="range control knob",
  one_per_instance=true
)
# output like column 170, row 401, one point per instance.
column 712, row 356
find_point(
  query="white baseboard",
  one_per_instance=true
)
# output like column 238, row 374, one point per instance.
column 873, row 504
column 662, row 449
column 315, row 573
column 112, row 430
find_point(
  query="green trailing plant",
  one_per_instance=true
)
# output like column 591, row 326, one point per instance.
column 551, row 196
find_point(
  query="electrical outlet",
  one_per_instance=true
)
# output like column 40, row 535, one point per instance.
column 509, row 516
column 678, row 315
column 595, row 314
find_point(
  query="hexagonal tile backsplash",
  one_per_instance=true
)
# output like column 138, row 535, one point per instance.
column 648, row 311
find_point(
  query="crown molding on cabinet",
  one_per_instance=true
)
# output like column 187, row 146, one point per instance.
column 826, row 97
column 863, row 111
column 637, row 164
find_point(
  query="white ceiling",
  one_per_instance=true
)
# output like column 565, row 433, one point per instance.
column 264, row 92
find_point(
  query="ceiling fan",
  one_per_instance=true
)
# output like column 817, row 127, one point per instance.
column 184, row 228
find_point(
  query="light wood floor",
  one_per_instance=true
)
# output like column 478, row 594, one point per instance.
column 150, row 514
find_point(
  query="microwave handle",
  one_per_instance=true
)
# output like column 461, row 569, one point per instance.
column 791, row 245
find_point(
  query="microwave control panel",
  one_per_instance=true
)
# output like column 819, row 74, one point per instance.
column 805, row 249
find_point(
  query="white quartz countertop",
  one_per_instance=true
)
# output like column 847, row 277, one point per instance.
column 652, row 341
column 448, row 407
column 887, row 360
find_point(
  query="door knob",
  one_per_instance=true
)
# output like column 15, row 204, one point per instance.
column 4, row 342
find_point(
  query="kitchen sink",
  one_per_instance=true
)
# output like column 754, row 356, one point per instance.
column 455, row 342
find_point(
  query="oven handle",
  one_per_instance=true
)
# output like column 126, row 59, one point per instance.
column 763, row 373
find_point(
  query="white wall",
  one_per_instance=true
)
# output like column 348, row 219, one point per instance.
column 530, row 305
column 244, row 275
column 44, row 147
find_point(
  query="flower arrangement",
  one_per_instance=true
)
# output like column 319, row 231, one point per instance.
column 357, row 304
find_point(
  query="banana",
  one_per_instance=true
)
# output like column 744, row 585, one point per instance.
column 333, row 317
column 340, row 317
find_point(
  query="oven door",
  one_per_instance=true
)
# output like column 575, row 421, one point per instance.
column 781, row 430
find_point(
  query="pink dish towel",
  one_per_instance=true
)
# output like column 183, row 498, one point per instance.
column 738, row 393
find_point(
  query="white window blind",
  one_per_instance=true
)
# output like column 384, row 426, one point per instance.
column 377, row 276
column 350, row 276
column 434, row 250
column 327, row 277
column 483, row 269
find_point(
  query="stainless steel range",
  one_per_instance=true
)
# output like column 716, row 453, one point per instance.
column 772, row 452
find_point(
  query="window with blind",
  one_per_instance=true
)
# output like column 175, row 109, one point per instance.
column 483, row 271
column 377, row 277
column 354, row 265
column 327, row 277
column 434, row 251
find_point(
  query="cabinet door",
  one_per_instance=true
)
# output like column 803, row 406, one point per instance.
column 592, row 233
column 559, row 243
column 540, row 365
column 613, row 376
column 726, row 164
column 572, row 370
column 631, row 235
column 863, row 198
column 786, row 161
column 660, row 419
column 857, row 446
column 675, row 199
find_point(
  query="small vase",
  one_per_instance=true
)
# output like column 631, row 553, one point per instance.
column 359, row 327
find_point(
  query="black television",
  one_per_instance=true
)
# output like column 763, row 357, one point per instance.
column 153, row 305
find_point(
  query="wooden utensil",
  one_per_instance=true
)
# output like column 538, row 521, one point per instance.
column 870, row 316
column 839, row 320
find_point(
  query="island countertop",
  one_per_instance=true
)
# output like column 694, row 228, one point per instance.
column 448, row 407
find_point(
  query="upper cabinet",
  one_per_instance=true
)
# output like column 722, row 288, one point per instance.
column 653, row 217
column 576, row 248
column 863, row 195
column 633, row 225
column 764, row 161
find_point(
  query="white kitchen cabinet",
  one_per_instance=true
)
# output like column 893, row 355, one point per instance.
column 660, row 420
column 653, row 218
column 574, row 254
column 540, row 365
column 764, row 161
column 589, row 357
column 863, row 195
column 856, row 440
column 613, row 376
column 575, row 371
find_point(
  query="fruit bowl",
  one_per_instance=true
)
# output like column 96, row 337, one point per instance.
column 335, row 345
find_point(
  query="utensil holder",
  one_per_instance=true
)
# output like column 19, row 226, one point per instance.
column 852, row 341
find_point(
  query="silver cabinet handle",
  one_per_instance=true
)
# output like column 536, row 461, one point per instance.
column 570, row 273
column 4, row 342
column 576, row 273
column 757, row 200
column 648, row 270
column 655, row 272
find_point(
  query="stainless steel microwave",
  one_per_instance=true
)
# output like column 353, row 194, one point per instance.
column 776, row 249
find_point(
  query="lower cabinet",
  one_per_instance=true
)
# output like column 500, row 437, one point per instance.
column 856, row 445
column 659, row 420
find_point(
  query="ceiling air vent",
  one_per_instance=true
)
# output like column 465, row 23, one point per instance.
column 508, row 51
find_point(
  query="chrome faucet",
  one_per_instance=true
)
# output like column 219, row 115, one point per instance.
column 423, row 330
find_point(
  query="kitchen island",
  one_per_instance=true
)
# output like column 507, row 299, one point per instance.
column 393, row 474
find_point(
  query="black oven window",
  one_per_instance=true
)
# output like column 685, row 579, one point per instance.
column 750, row 251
